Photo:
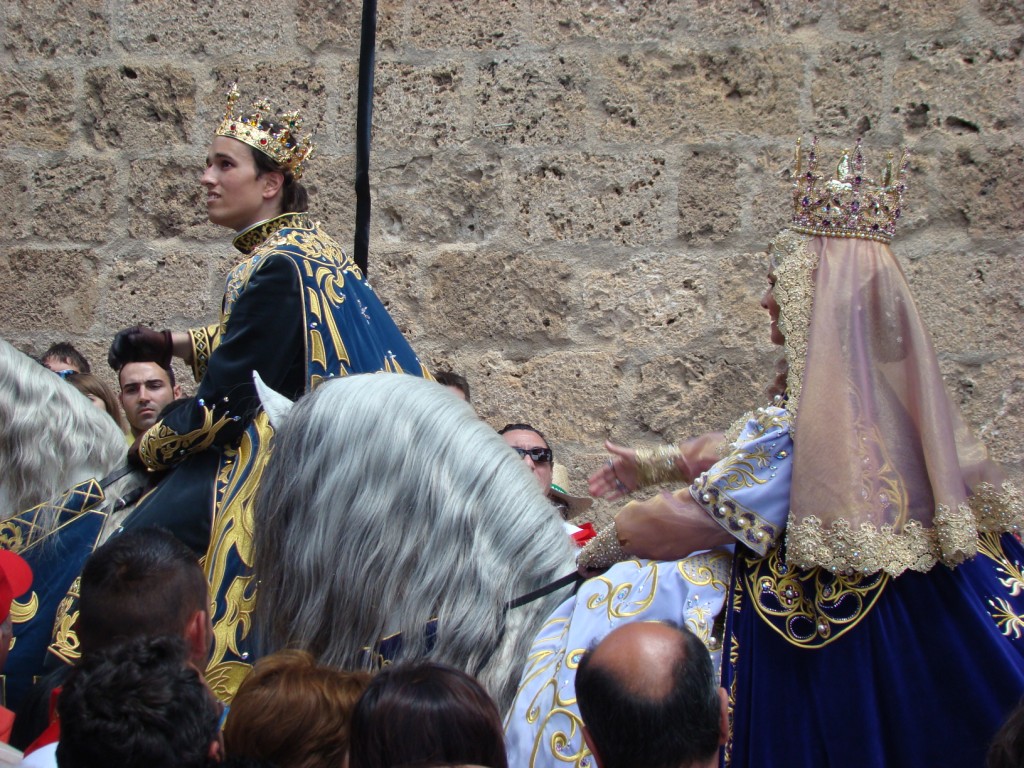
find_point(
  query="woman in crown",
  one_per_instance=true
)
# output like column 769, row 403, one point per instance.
column 876, row 609
column 296, row 310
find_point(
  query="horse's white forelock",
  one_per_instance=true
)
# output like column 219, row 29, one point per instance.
column 51, row 437
column 387, row 503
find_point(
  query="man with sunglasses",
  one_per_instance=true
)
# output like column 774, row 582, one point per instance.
column 533, row 448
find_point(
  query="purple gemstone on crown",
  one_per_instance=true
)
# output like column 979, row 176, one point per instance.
column 805, row 202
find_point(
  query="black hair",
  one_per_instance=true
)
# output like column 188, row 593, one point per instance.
column 526, row 428
column 137, row 705
column 1007, row 748
column 144, row 582
column 295, row 197
column 425, row 713
column 63, row 350
column 452, row 379
column 633, row 730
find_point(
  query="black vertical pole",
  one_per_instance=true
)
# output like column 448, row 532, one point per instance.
column 364, row 121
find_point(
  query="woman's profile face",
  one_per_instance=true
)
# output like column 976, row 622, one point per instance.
column 234, row 193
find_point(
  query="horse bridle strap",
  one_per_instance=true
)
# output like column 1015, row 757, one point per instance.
column 547, row 589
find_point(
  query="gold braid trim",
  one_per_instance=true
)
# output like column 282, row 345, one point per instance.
column 658, row 465
column 161, row 446
column 204, row 341
column 953, row 539
column 794, row 265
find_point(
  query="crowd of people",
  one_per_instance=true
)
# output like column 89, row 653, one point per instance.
column 788, row 599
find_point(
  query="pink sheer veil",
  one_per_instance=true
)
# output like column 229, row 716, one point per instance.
column 886, row 476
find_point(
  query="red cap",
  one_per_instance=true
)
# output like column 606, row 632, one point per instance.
column 15, row 580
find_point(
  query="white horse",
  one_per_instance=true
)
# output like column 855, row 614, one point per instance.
column 55, row 448
column 393, row 522
column 51, row 437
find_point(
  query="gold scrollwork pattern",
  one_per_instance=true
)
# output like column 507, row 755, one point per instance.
column 743, row 469
column 65, row 644
column 1002, row 610
column 161, row 446
column 229, row 558
column 810, row 609
column 625, row 599
column 793, row 265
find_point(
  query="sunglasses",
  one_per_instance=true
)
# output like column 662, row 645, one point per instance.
column 65, row 374
column 538, row 455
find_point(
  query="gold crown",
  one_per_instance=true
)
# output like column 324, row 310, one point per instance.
column 850, row 204
column 283, row 145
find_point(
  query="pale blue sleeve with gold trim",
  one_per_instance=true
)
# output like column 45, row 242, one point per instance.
column 747, row 492
column 543, row 726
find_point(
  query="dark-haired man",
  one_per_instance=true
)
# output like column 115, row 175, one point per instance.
column 649, row 698
column 145, row 389
column 142, row 583
column 62, row 356
column 533, row 448
column 142, row 704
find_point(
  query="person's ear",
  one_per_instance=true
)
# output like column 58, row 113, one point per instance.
column 216, row 751
column 589, row 741
column 723, row 721
column 176, row 391
column 198, row 634
column 273, row 183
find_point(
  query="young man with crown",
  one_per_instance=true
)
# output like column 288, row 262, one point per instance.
column 877, row 597
column 298, row 312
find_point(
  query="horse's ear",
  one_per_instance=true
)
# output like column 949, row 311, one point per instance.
column 274, row 403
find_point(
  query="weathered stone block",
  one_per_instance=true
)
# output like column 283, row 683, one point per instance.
column 885, row 16
column 510, row 301
column 398, row 282
column 963, row 89
column 649, row 301
column 462, row 24
column 438, row 197
column 219, row 27
column 672, row 95
column 572, row 393
column 159, row 288
column 15, row 202
column 45, row 29
column 166, row 200
column 37, row 109
column 686, row 395
column 970, row 302
column 765, row 176
column 76, row 199
column 982, row 186
column 332, row 197
column 709, row 190
column 991, row 397
column 417, row 107
column 847, row 90
column 138, row 107
column 558, row 21
column 579, row 197
column 522, row 101
column 1003, row 11
column 336, row 24
column 54, row 288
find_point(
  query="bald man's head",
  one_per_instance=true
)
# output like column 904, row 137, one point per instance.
column 650, row 699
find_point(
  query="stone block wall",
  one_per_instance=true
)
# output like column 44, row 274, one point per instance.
column 571, row 198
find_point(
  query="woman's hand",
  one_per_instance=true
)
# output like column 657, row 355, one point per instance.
column 667, row 527
column 618, row 475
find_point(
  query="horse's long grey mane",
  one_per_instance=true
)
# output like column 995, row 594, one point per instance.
column 51, row 437
column 387, row 503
